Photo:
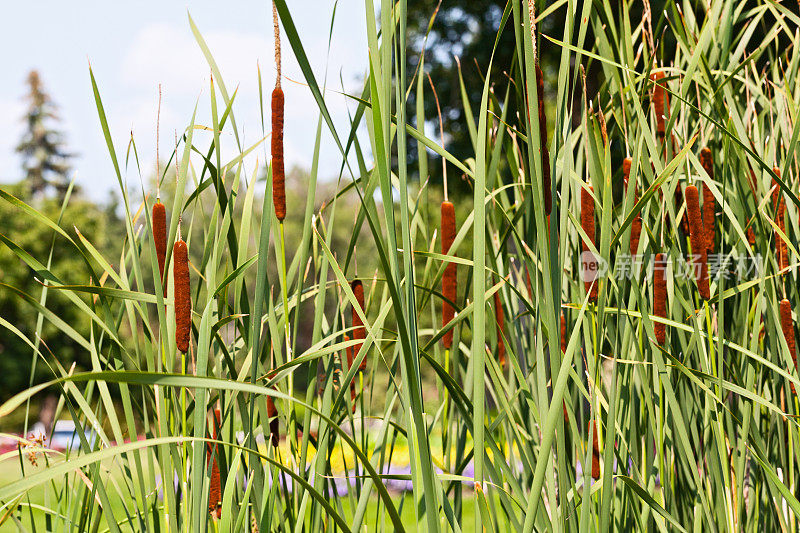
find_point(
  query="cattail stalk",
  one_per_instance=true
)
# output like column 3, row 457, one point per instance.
column 787, row 325
column 278, row 178
column 450, row 276
column 587, row 223
column 183, row 298
column 660, row 296
column 501, row 329
column 548, row 196
column 359, row 331
column 160, row 238
column 636, row 223
column 709, row 203
column 699, row 254
column 215, row 487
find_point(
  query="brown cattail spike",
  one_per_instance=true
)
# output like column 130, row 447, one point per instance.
column 709, row 203
column 563, row 334
column 215, row 487
column 589, row 264
column 778, row 204
column 636, row 223
column 787, row 325
column 699, row 254
column 450, row 277
column 278, row 178
column 274, row 423
column 360, row 332
column 501, row 330
column 660, row 296
column 595, row 451
column 160, row 237
column 183, row 299
column 349, row 353
column 660, row 103
column 548, row 196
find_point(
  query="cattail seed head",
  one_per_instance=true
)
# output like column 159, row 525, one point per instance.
column 360, row 332
column 779, row 205
column 660, row 103
column 587, row 223
column 160, row 238
column 709, row 203
column 698, row 243
column 787, row 325
column 215, row 487
column 274, row 422
column 595, row 451
column 660, row 296
column 450, row 276
column 278, row 178
column 548, row 196
column 183, row 298
column 501, row 329
column 636, row 223
column 563, row 334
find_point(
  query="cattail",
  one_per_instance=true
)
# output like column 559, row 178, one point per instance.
column 636, row 223
column 359, row 331
column 183, row 299
column 787, row 325
column 548, row 197
column 450, row 276
column 709, row 203
column 501, row 329
column 660, row 296
column 595, row 451
column 160, row 237
column 274, row 423
column 278, row 178
column 587, row 223
column 215, row 487
column 781, row 250
column 350, row 356
column 563, row 334
column 660, row 103
column 698, row 244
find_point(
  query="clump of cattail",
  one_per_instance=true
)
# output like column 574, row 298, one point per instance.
column 787, row 325
column 450, row 276
column 501, row 329
column 595, row 451
column 359, row 331
column 781, row 250
column 698, row 243
column 660, row 296
column 215, row 487
column 660, row 103
column 636, row 223
column 183, row 299
column 709, row 203
column 548, row 197
column 587, row 223
column 160, row 237
column 278, row 178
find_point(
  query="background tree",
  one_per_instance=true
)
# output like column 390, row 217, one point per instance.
column 45, row 162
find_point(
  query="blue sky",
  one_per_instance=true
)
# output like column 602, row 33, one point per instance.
column 134, row 46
